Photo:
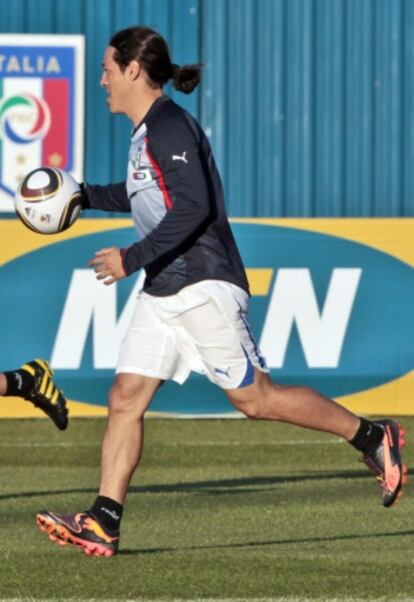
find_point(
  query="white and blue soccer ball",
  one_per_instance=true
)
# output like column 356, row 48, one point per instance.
column 48, row 200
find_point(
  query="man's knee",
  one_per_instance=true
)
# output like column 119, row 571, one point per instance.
column 255, row 400
column 248, row 402
column 250, row 409
column 130, row 394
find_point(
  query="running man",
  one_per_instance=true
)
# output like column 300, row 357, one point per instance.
column 34, row 382
column 192, row 312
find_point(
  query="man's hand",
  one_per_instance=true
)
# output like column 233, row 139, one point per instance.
column 107, row 263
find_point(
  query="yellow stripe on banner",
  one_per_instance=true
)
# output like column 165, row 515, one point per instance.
column 259, row 280
column 395, row 398
column 16, row 407
column 390, row 235
column 77, row 408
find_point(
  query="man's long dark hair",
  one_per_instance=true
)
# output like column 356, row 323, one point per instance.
column 149, row 48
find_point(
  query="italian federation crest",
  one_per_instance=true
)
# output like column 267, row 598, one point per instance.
column 41, row 107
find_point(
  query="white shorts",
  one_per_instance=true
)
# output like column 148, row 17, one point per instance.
column 203, row 328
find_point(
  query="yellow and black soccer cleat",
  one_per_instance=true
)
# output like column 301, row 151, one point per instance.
column 81, row 529
column 44, row 394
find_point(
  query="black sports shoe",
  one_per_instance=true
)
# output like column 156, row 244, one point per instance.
column 386, row 462
column 44, row 394
column 81, row 529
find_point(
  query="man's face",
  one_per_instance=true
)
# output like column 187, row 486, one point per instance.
column 115, row 82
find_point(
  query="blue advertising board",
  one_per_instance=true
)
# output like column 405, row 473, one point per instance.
column 331, row 308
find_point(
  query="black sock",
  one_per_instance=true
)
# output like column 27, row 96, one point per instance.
column 368, row 436
column 19, row 383
column 108, row 512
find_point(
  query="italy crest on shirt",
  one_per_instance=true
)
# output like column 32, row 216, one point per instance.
column 41, row 107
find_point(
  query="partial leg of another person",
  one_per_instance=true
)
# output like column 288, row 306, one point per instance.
column 97, row 530
column 34, row 382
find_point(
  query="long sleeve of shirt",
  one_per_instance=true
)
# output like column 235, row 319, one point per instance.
column 112, row 197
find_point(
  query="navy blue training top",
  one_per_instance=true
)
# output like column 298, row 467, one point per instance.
column 174, row 193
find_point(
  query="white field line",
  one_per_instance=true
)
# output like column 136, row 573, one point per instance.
column 182, row 444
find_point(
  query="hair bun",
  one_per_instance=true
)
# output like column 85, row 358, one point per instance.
column 174, row 68
column 186, row 78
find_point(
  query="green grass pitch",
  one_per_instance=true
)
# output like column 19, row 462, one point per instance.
column 219, row 510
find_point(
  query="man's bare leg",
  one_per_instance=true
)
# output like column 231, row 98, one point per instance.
column 380, row 441
column 296, row 405
column 123, row 439
column 96, row 531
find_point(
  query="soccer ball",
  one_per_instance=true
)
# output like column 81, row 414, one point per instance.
column 48, row 200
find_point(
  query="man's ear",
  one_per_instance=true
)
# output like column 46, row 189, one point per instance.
column 134, row 69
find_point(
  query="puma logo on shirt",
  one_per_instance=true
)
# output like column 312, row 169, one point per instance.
column 180, row 157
